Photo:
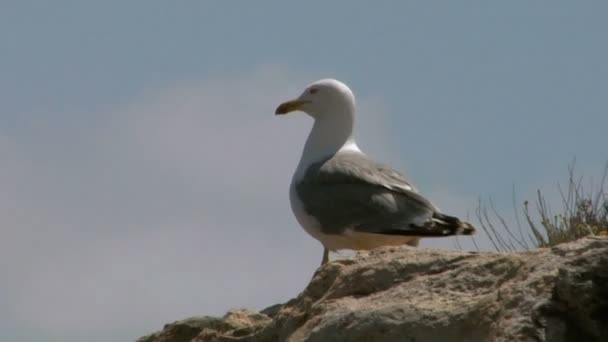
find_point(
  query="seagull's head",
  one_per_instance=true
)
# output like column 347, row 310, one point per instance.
column 326, row 97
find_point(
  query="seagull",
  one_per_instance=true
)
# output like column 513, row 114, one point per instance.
column 343, row 198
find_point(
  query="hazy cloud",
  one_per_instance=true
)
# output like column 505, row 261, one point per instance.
column 174, row 205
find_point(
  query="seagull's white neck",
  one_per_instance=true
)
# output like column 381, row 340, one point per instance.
column 331, row 133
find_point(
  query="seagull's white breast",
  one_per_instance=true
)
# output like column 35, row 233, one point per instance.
column 310, row 224
column 350, row 239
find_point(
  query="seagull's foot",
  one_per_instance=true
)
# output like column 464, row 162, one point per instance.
column 325, row 256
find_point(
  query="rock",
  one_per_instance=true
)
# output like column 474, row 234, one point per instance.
column 410, row 294
column 237, row 322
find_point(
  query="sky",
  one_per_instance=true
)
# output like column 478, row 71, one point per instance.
column 145, row 178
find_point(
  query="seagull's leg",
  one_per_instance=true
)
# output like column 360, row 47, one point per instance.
column 325, row 256
column 413, row 243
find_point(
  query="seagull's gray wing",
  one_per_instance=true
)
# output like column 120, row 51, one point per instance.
column 350, row 191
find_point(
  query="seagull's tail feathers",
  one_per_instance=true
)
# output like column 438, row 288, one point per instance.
column 439, row 225
column 449, row 225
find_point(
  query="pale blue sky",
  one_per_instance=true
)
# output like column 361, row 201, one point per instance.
column 134, row 136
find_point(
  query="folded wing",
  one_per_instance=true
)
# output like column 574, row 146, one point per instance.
column 350, row 191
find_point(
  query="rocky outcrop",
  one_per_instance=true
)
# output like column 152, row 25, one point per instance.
column 410, row 294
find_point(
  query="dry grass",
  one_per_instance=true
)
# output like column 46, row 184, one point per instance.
column 584, row 211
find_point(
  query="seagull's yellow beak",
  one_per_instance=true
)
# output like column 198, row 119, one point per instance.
column 289, row 106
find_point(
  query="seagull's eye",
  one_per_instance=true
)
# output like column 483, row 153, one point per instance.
column 313, row 91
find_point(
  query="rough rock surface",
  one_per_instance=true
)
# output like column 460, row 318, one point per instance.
column 408, row 294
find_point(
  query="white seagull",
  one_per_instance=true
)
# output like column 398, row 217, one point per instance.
column 343, row 198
